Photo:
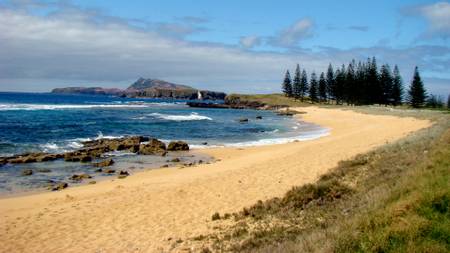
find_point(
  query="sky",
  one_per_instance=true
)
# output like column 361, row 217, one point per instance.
column 231, row 46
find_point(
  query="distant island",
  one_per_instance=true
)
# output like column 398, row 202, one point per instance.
column 149, row 88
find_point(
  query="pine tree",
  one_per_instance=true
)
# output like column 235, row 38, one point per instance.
column 313, row 88
column 417, row 93
column 303, row 85
column 350, row 84
column 323, row 88
column 296, row 89
column 386, row 84
column 397, row 88
column 287, row 85
column 374, row 90
column 448, row 102
column 331, row 90
column 360, row 84
column 339, row 85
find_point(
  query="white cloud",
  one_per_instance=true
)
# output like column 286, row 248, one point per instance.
column 38, row 53
column 438, row 18
column 250, row 41
column 292, row 35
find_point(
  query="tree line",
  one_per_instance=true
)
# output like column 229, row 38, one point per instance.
column 361, row 83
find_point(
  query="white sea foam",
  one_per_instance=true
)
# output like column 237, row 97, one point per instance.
column 192, row 116
column 49, row 147
column 306, row 136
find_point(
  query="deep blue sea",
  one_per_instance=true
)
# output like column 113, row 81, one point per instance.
column 31, row 122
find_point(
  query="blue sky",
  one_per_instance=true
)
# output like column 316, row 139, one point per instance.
column 235, row 46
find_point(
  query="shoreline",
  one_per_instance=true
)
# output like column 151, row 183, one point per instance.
column 178, row 203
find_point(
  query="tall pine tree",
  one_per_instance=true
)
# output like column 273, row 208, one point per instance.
column 296, row 88
column 303, row 85
column 386, row 83
column 331, row 89
column 322, row 88
column 417, row 93
column 287, row 85
column 374, row 89
column 313, row 86
column 448, row 102
column 350, row 95
column 397, row 88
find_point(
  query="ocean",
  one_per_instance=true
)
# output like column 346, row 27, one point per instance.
column 55, row 123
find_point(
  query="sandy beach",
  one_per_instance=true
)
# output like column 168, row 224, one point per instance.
column 148, row 211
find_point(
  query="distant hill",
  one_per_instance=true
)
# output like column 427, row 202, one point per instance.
column 88, row 91
column 151, row 88
column 142, row 84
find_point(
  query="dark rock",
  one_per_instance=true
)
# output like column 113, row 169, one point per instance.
column 104, row 163
column 243, row 120
column 23, row 159
column 204, row 143
column 178, row 146
column 92, row 182
column 124, row 172
column 208, row 105
column 108, row 171
column 44, row 170
column 289, row 112
column 58, row 186
column 153, row 147
column 165, row 166
column 80, row 177
column 27, row 172
column 259, row 117
column 176, row 160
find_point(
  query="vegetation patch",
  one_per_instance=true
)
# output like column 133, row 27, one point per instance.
column 393, row 199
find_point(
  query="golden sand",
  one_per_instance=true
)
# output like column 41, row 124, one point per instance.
column 147, row 211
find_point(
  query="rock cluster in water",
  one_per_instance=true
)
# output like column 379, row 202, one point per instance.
column 96, row 148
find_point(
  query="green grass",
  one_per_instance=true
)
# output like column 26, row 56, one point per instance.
column 271, row 99
column 393, row 199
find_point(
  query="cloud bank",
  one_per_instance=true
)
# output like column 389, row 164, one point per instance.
column 73, row 46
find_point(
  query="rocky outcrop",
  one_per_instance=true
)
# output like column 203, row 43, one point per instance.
column 80, row 177
column 153, row 147
column 55, row 186
column 96, row 148
column 88, row 91
column 30, row 158
column 104, row 163
column 152, row 88
column 178, row 146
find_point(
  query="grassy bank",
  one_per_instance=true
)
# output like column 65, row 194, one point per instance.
column 393, row 199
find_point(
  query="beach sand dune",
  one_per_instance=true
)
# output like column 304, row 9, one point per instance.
column 149, row 211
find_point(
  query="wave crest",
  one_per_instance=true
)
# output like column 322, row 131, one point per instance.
column 192, row 116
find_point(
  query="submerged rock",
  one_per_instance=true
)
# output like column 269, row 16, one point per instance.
column 104, row 163
column 178, row 146
column 44, row 170
column 80, row 177
column 27, row 172
column 176, row 160
column 259, row 117
column 243, row 120
column 58, row 186
column 108, row 171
